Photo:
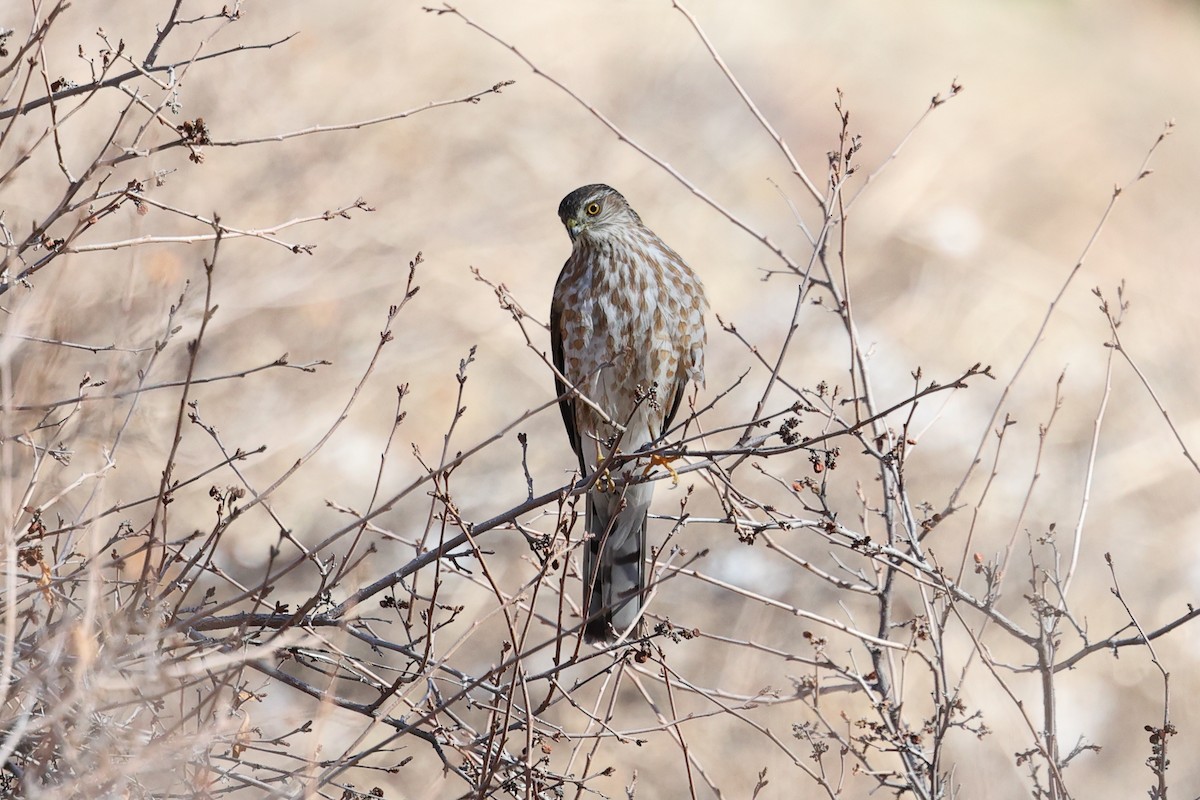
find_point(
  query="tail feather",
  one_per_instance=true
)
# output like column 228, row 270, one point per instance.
column 614, row 561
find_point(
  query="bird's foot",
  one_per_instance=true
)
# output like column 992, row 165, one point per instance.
column 604, row 482
column 665, row 463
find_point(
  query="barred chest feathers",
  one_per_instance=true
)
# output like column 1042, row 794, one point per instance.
column 641, row 341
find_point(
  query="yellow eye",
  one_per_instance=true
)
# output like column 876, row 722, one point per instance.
column 593, row 209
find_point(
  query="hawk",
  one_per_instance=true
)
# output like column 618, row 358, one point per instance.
column 627, row 332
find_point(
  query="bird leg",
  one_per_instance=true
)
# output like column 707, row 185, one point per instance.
column 605, row 482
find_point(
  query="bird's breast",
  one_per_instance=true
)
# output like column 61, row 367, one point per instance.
column 631, row 319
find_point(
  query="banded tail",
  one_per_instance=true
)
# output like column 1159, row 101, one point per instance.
column 614, row 561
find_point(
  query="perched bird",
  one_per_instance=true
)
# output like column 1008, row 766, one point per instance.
column 627, row 331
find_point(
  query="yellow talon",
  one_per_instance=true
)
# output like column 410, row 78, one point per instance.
column 605, row 482
column 665, row 463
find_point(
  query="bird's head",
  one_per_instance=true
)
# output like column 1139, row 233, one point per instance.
column 595, row 211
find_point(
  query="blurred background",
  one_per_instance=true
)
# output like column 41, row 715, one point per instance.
column 953, row 254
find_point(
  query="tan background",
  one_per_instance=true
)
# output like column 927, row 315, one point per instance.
column 954, row 253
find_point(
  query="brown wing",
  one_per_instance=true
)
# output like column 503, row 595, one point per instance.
column 687, row 287
column 680, row 388
column 566, row 405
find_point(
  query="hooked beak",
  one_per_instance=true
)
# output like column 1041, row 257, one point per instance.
column 574, row 228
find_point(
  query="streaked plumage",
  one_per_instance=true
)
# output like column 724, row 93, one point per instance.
column 627, row 314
